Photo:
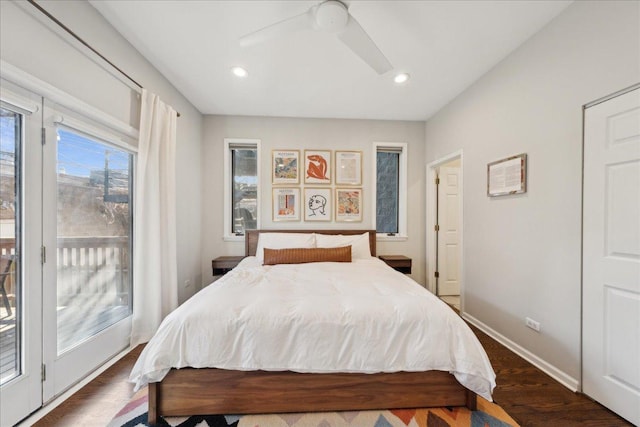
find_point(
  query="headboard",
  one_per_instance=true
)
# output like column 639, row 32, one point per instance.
column 251, row 237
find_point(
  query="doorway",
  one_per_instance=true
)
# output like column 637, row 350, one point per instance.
column 444, row 229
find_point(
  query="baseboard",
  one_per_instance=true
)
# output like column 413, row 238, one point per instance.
column 40, row 413
column 555, row 373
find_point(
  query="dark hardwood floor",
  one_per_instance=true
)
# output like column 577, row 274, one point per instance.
column 531, row 397
column 96, row 403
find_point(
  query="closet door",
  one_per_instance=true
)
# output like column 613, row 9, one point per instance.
column 611, row 255
column 448, row 232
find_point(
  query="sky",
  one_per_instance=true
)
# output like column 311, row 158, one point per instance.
column 77, row 155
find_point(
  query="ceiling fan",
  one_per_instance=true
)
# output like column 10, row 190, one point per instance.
column 330, row 16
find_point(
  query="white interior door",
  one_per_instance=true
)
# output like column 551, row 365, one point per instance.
column 20, row 240
column 611, row 255
column 448, row 233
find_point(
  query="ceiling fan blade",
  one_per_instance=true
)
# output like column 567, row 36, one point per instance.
column 357, row 39
column 279, row 29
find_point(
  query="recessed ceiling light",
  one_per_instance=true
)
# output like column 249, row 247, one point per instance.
column 401, row 78
column 239, row 72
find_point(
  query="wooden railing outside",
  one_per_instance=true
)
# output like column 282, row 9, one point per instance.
column 7, row 249
column 87, row 266
column 93, row 266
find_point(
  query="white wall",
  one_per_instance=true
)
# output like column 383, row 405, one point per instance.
column 29, row 43
column 292, row 133
column 522, row 253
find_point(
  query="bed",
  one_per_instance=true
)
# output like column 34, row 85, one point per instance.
column 190, row 370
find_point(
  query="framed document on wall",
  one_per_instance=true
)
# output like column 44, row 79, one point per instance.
column 348, row 167
column 507, row 176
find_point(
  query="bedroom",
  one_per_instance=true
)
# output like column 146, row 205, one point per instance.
column 529, row 102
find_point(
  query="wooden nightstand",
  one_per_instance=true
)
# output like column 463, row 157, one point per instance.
column 400, row 263
column 223, row 264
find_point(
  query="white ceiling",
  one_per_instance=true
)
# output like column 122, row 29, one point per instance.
column 444, row 45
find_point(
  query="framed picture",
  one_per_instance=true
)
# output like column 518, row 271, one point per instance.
column 348, row 167
column 284, row 165
column 286, row 204
column 348, row 204
column 317, row 167
column 317, row 204
column 507, row 176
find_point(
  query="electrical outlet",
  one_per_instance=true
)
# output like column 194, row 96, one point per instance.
column 187, row 283
column 532, row 324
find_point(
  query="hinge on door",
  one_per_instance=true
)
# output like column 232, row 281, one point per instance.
column 436, row 274
column 437, row 227
column 43, row 254
column 44, row 136
column 44, row 372
column 437, row 180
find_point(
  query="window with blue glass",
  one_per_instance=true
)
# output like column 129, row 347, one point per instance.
column 387, row 194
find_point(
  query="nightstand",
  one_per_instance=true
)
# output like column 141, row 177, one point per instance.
column 223, row 264
column 400, row 263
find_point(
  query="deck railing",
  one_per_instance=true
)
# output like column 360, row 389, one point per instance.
column 87, row 266
column 7, row 249
column 93, row 266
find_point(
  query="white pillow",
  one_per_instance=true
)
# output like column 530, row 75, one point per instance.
column 284, row 241
column 360, row 248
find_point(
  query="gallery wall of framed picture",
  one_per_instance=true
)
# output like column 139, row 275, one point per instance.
column 331, row 180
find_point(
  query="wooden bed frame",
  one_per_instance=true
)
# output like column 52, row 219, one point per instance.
column 190, row 391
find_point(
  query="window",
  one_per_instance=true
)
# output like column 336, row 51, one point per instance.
column 242, row 164
column 390, row 190
column 93, row 236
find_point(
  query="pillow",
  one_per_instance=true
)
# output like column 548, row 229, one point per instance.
column 284, row 241
column 359, row 243
column 303, row 255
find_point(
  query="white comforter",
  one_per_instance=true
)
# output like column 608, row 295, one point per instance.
column 321, row 317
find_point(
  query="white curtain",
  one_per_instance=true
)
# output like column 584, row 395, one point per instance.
column 155, row 283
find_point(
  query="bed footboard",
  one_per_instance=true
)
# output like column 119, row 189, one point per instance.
column 190, row 391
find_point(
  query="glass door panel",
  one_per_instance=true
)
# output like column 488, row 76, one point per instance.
column 10, row 284
column 93, row 237
column 20, row 243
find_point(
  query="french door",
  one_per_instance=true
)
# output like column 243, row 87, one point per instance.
column 87, row 228
column 68, row 184
column 20, row 242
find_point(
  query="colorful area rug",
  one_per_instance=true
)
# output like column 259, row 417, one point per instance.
column 134, row 414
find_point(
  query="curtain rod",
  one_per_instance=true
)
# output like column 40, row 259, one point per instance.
column 87, row 45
